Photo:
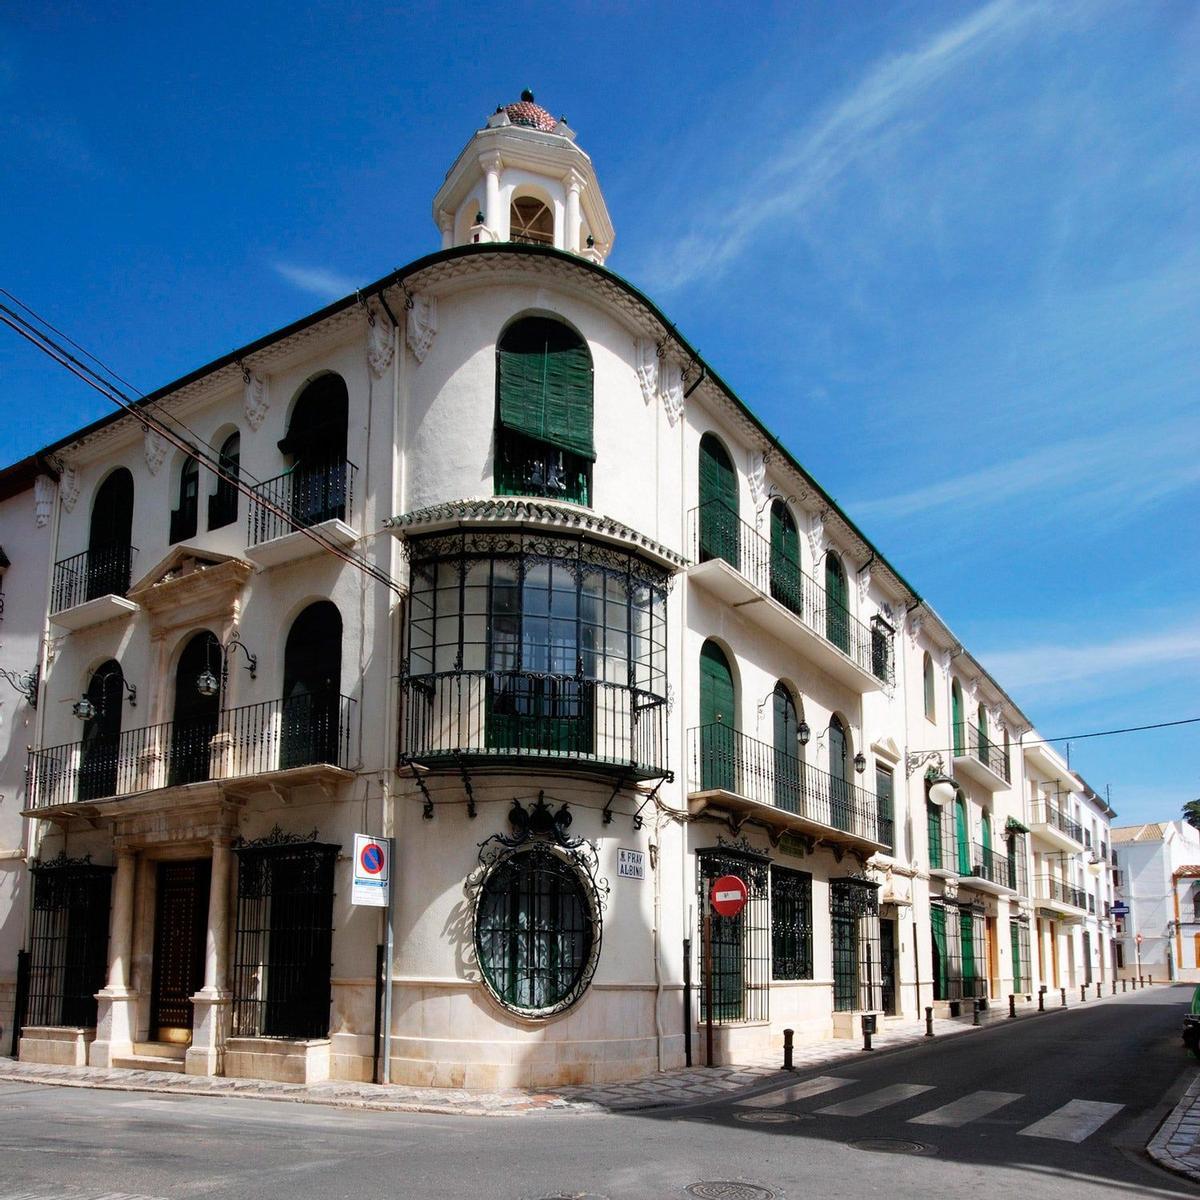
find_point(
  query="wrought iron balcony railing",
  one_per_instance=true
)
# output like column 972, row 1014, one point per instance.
column 718, row 533
column 1050, row 887
column 308, row 494
column 1043, row 812
column 276, row 735
column 101, row 571
column 498, row 716
column 998, row 867
column 969, row 740
column 722, row 758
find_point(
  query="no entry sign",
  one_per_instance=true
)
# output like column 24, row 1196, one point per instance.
column 372, row 871
column 728, row 896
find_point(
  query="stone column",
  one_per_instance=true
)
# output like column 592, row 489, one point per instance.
column 446, row 225
column 116, row 1002
column 491, row 212
column 571, row 238
column 211, row 1005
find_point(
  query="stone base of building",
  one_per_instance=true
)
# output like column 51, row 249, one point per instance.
column 58, row 1045
column 8, row 997
column 280, row 1060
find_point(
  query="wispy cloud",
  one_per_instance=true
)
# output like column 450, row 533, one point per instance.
column 883, row 105
column 318, row 281
column 1121, row 661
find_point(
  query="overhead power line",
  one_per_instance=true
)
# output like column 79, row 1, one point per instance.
column 48, row 345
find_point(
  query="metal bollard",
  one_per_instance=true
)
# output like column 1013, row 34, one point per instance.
column 1082, row 992
column 1114, row 987
column 868, row 1028
column 1064, row 996
column 1123, row 983
column 1042, row 999
column 974, row 1012
column 1151, row 979
column 1012, row 1005
column 1141, row 981
column 929, row 1022
column 788, row 1034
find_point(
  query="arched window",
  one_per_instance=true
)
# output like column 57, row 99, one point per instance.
column 110, row 555
column 317, row 488
column 985, row 745
column 223, row 503
column 537, row 932
column 837, row 611
column 544, row 443
column 985, row 843
column 839, row 774
column 786, row 576
column 531, row 220
column 958, row 729
column 313, row 731
column 183, row 518
column 962, row 836
column 930, row 692
column 196, row 715
column 718, row 736
column 719, row 527
column 789, row 766
column 98, row 753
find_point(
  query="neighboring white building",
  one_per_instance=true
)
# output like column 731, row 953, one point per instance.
column 578, row 633
column 1157, row 876
column 26, row 495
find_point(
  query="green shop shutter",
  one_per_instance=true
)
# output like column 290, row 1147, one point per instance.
column 717, row 735
column 937, row 920
column 966, row 925
column 544, row 378
column 1015, row 937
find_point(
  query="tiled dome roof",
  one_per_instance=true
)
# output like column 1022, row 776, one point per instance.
column 532, row 116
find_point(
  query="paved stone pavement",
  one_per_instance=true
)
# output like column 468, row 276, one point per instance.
column 694, row 1085
column 1176, row 1145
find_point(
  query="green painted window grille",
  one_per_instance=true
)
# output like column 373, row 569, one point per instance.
column 791, row 924
column 786, row 575
column 720, row 528
column 962, row 836
column 941, row 957
column 535, row 931
column 956, row 720
column 884, row 798
column 1021, row 963
column 933, row 829
column 741, row 945
column 854, row 916
column 837, row 610
column 973, row 952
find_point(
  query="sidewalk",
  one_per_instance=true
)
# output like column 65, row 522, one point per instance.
column 688, row 1086
column 1176, row 1145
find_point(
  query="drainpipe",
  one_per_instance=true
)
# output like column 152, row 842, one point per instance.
column 658, row 982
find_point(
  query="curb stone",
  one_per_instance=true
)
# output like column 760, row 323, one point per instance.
column 1176, row 1145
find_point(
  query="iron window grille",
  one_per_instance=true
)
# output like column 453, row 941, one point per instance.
column 972, row 932
column 948, row 980
column 791, row 924
column 528, row 467
column 741, row 945
column 537, row 930
column 282, row 964
column 68, row 941
column 854, row 914
column 1023, row 966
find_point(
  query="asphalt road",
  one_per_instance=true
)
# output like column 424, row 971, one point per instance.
column 1057, row 1106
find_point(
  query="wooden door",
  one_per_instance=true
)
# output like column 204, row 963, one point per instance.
column 181, row 923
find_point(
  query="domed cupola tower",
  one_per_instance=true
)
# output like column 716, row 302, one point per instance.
column 522, row 178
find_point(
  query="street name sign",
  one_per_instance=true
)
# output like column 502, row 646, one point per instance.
column 372, row 871
column 631, row 864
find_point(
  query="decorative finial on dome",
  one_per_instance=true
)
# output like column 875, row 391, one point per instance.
column 527, row 96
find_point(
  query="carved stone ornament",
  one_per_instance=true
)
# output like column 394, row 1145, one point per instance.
column 996, row 717
column 943, row 659
column 68, row 485
column 255, row 400
column 646, row 357
column 155, row 448
column 916, row 622
column 816, row 536
column 670, row 389
column 973, row 693
column 757, row 477
column 864, row 585
column 380, row 345
column 950, row 889
column 43, row 498
column 422, row 326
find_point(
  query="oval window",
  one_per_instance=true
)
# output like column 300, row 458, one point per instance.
column 536, row 932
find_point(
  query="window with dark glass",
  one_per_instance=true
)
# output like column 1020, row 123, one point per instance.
column 183, row 518
column 884, row 797
column 791, row 924
column 543, row 441
column 223, row 503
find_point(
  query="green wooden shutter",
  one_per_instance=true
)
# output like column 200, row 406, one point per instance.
column 787, row 764
column 956, row 718
column 966, row 926
column 937, row 920
column 933, row 828
column 839, row 791
column 785, row 558
column 717, row 736
column 837, row 612
column 1015, row 938
column 962, row 837
column 545, row 382
column 719, row 525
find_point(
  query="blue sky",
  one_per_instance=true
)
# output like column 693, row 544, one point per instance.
column 949, row 252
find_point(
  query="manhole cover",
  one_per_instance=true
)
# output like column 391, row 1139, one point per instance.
column 718, row 1189
column 892, row 1146
column 574, row 1196
column 768, row 1118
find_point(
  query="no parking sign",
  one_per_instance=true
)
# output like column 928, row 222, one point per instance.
column 372, row 870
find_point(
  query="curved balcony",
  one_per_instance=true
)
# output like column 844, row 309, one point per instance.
column 455, row 719
column 728, row 770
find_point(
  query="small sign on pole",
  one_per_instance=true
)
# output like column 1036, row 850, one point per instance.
column 631, row 864
column 372, row 871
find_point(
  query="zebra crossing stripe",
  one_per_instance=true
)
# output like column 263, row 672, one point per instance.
column 873, row 1101
column 969, row 1108
column 1075, row 1121
column 795, row 1091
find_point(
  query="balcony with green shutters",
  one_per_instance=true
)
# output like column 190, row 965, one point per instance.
column 761, row 578
column 981, row 759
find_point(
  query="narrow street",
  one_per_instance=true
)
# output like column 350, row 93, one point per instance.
column 1059, row 1106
